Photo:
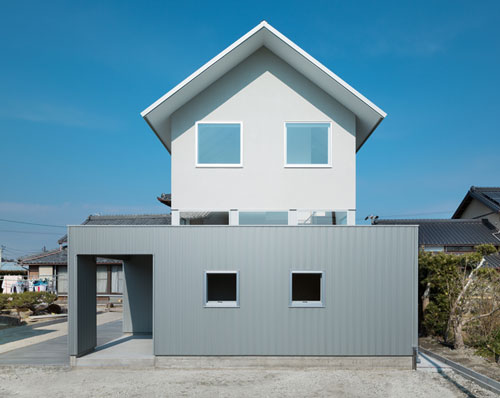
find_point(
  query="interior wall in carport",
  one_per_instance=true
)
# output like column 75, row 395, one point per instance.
column 138, row 294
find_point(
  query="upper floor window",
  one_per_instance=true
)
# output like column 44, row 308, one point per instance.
column 218, row 144
column 308, row 144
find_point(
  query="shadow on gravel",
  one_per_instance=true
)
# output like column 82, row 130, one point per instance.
column 449, row 379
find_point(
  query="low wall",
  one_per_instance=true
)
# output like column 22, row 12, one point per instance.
column 370, row 287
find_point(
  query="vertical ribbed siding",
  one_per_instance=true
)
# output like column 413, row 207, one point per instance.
column 82, row 305
column 370, row 287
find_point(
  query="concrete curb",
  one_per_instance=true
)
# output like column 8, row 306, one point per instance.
column 478, row 378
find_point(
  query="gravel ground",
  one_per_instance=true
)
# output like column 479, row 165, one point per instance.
column 317, row 382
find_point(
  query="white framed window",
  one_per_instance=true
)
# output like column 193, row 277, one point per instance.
column 222, row 289
column 307, row 289
column 308, row 144
column 219, row 144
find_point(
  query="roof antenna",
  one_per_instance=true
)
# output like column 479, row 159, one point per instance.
column 372, row 218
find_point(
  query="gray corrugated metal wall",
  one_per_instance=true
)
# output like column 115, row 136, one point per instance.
column 82, row 305
column 138, row 294
column 370, row 287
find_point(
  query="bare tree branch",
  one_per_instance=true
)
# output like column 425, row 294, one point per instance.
column 475, row 318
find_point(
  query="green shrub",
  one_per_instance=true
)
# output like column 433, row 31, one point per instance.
column 30, row 300
column 436, row 318
column 3, row 300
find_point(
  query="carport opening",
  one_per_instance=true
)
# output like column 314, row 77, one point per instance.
column 124, row 328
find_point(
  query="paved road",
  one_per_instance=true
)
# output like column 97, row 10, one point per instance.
column 55, row 351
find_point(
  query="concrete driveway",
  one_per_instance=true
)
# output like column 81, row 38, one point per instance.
column 48, row 344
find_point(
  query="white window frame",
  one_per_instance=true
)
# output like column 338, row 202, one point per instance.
column 220, row 304
column 221, row 165
column 311, row 166
column 307, row 304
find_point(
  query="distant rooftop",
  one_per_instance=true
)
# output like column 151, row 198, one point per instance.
column 493, row 261
column 58, row 257
column 446, row 232
column 488, row 196
column 125, row 219
column 11, row 266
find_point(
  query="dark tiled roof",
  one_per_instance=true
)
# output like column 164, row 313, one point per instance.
column 166, row 199
column 131, row 219
column 448, row 232
column 489, row 196
column 58, row 257
column 493, row 260
column 128, row 219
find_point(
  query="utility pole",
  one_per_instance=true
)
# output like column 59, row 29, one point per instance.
column 2, row 247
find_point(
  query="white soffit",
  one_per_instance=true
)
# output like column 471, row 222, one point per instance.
column 368, row 114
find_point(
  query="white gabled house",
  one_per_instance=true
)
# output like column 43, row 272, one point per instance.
column 263, row 134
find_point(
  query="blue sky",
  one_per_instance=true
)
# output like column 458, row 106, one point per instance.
column 75, row 75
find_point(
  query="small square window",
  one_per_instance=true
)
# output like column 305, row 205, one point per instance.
column 218, row 144
column 221, row 289
column 306, row 289
column 308, row 144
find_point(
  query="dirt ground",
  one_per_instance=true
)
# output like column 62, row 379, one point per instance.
column 317, row 382
column 467, row 358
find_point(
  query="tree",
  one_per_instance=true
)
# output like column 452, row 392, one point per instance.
column 461, row 291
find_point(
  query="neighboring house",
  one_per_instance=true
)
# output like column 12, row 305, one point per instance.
column 12, row 268
column 475, row 222
column 480, row 202
column 53, row 264
column 262, row 256
column 10, row 271
column 451, row 236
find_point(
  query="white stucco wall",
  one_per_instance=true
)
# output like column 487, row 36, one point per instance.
column 477, row 209
column 263, row 92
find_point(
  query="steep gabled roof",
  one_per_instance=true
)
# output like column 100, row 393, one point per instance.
column 368, row 115
column 488, row 196
column 446, row 232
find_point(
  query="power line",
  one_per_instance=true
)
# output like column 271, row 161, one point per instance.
column 31, row 232
column 12, row 249
column 32, row 223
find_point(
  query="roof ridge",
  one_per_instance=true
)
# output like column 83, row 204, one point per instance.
column 488, row 188
column 94, row 216
column 462, row 220
column 41, row 254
